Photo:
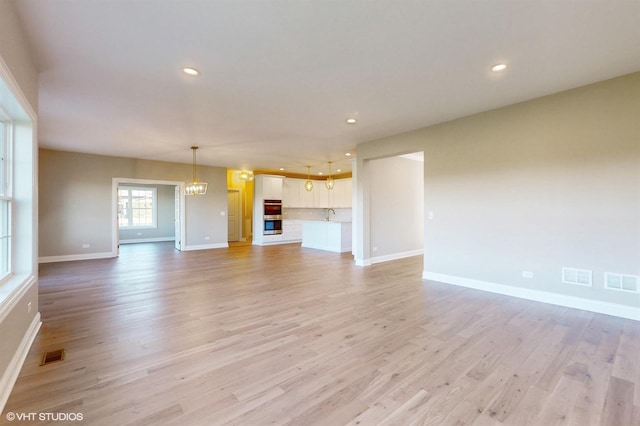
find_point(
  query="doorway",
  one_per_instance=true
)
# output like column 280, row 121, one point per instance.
column 234, row 215
column 176, row 198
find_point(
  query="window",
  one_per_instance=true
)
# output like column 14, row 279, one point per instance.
column 5, row 198
column 137, row 207
column 18, row 182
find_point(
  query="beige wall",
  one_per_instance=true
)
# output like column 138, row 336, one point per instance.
column 76, row 201
column 537, row 186
column 15, row 52
column 396, row 207
column 18, row 323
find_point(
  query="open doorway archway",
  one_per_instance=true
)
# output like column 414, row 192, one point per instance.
column 179, row 218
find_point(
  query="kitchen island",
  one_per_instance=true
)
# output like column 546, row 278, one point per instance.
column 327, row 235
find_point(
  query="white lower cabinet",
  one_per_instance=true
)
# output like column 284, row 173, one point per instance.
column 291, row 231
column 266, row 239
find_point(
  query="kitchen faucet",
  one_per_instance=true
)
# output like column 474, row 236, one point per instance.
column 327, row 214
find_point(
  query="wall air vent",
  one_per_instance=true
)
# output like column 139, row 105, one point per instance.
column 577, row 276
column 621, row 282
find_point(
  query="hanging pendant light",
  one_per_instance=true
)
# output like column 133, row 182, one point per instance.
column 308, row 185
column 329, row 183
column 195, row 187
column 246, row 175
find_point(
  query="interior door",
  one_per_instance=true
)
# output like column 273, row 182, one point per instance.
column 176, row 219
column 233, row 215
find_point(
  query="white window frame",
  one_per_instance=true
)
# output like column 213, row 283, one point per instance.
column 6, row 196
column 154, row 207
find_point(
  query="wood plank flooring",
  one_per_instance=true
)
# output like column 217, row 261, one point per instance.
column 290, row 336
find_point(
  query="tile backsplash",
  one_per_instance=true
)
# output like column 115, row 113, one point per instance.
column 343, row 215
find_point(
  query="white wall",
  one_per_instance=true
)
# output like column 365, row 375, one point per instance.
column 537, row 186
column 19, row 317
column 76, row 201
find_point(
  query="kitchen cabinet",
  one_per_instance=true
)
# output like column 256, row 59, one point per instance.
column 291, row 192
column 266, row 187
column 340, row 195
column 306, row 197
column 295, row 196
column 329, row 236
column 271, row 187
column 320, row 195
column 291, row 231
column 271, row 239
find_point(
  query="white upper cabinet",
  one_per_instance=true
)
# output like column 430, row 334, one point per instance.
column 295, row 196
column 306, row 197
column 340, row 195
column 271, row 187
column 291, row 192
column 320, row 195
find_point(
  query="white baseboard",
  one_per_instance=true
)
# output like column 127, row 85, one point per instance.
column 205, row 247
column 10, row 375
column 70, row 257
column 613, row 309
column 325, row 248
column 388, row 257
column 396, row 256
column 147, row 240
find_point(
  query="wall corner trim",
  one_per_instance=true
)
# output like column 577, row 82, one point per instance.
column 10, row 375
column 616, row 310
column 363, row 262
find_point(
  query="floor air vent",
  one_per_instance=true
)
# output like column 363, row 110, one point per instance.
column 621, row 282
column 52, row 356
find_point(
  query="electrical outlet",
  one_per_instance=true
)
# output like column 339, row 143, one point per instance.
column 85, row 245
column 29, row 307
column 207, row 237
column 527, row 274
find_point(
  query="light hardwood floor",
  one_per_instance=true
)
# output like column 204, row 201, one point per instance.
column 285, row 335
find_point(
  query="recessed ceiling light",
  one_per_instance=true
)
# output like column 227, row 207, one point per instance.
column 339, row 170
column 348, row 154
column 320, row 173
column 190, row 71
column 282, row 169
column 499, row 67
column 351, row 120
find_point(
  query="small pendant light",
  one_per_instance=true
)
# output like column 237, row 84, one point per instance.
column 329, row 183
column 308, row 185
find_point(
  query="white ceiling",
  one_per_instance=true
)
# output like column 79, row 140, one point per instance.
column 280, row 77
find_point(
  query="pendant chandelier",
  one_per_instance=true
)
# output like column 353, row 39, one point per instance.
column 308, row 185
column 329, row 183
column 195, row 187
column 246, row 175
